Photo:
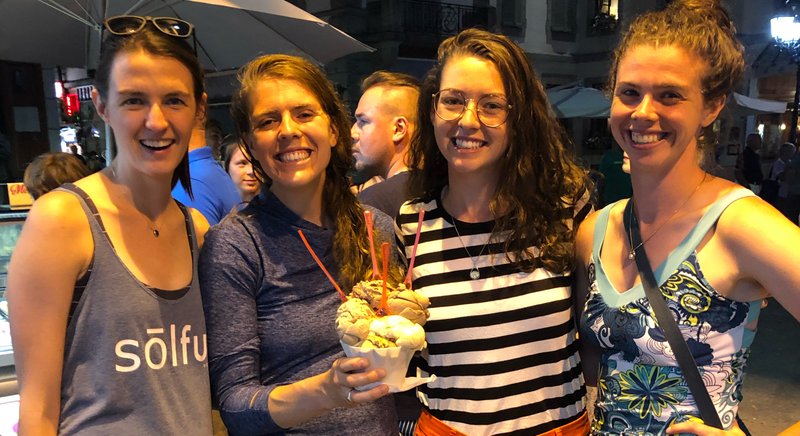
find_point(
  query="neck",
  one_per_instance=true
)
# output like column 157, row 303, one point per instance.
column 150, row 196
column 305, row 201
column 658, row 195
column 468, row 198
column 197, row 139
column 396, row 166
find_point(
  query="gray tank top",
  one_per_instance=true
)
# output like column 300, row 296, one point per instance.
column 135, row 363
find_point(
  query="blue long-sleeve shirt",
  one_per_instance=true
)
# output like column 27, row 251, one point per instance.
column 270, row 315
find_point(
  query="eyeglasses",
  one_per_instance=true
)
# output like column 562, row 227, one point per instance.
column 491, row 110
column 126, row 25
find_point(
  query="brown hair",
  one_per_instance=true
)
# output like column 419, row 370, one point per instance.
column 48, row 171
column 157, row 43
column 389, row 78
column 350, row 243
column 539, row 178
column 703, row 28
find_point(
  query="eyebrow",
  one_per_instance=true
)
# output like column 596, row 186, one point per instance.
column 663, row 85
column 490, row 94
column 300, row 107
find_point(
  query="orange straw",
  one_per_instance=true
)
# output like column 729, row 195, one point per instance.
column 319, row 262
column 407, row 281
column 368, row 219
column 384, row 309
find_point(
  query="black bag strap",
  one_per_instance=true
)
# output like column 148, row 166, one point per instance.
column 668, row 324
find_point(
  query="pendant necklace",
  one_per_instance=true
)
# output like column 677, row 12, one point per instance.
column 632, row 252
column 474, row 273
column 151, row 224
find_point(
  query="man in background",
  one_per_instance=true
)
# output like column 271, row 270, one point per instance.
column 213, row 191
column 385, row 121
column 748, row 166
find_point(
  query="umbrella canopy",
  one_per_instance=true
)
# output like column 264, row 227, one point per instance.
column 579, row 102
column 228, row 32
column 746, row 106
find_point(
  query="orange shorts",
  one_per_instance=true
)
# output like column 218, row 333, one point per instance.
column 430, row 426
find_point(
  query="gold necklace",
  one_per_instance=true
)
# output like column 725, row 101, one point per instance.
column 632, row 252
column 474, row 273
column 150, row 223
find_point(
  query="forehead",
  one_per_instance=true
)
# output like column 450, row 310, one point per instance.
column 669, row 65
column 472, row 75
column 271, row 93
column 140, row 71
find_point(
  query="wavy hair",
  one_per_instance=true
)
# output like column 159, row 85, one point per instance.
column 350, row 240
column 539, row 177
column 703, row 28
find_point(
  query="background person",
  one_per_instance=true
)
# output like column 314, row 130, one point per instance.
column 275, row 359
column 240, row 169
column 499, row 192
column 386, row 118
column 213, row 192
column 716, row 249
column 104, row 272
column 48, row 171
column 748, row 165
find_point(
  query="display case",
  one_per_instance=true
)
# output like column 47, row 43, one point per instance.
column 10, row 228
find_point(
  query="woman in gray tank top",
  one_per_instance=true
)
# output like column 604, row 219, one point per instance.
column 108, row 328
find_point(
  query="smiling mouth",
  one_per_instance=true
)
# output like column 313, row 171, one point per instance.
column 467, row 144
column 156, row 144
column 649, row 138
column 293, row 156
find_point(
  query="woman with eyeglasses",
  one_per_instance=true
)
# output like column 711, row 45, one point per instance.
column 500, row 194
column 275, row 359
column 714, row 250
column 108, row 328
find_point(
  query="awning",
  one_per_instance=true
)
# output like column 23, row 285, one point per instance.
column 753, row 106
column 579, row 102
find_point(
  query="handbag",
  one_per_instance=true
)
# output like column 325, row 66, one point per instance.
column 668, row 324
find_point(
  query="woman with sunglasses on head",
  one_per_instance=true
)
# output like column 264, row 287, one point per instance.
column 240, row 169
column 107, row 324
column 276, row 363
column 500, row 194
column 715, row 249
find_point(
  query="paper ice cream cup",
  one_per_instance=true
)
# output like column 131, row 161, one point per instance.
column 394, row 361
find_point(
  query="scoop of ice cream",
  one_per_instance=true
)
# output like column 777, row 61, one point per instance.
column 399, row 330
column 410, row 305
column 353, row 319
column 371, row 291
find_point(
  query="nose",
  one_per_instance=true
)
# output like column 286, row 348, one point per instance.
column 354, row 132
column 469, row 118
column 248, row 169
column 155, row 118
column 288, row 127
column 645, row 109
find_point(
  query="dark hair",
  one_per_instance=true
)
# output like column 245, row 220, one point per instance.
column 350, row 243
column 539, row 177
column 389, row 78
column 229, row 145
column 48, row 171
column 214, row 137
column 703, row 28
column 157, row 43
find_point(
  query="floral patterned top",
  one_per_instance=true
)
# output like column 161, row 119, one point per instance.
column 641, row 390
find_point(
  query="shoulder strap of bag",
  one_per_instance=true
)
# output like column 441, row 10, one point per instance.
column 668, row 324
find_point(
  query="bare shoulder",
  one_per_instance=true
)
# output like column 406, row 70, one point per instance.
column 201, row 225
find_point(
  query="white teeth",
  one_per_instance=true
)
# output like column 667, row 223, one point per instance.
column 294, row 156
column 156, row 143
column 644, row 139
column 467, row 143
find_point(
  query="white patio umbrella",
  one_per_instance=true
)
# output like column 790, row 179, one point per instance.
column 229, row 32
column 579, row 102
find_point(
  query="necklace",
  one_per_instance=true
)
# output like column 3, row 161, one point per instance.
column 474, row 273
column 632, row 252
column 150, row 223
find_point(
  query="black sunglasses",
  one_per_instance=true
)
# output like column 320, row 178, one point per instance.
column 126, row 25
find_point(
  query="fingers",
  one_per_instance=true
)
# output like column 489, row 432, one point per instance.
column 352, row 373
column 358, row 397
column 700, row 429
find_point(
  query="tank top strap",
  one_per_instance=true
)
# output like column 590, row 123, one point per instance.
column 95, row 221
column 600, row 229
column 709, row 219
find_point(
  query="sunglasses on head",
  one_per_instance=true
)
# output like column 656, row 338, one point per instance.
column 126, row 25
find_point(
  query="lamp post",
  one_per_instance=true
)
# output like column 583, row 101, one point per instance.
column 785, row 29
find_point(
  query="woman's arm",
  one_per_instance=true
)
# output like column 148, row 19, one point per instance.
column 590, row 355
column 763, row 247
column 53, row 250
column 200, row 226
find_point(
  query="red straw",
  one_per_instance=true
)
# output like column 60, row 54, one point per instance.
column 319, row 262
column 407, row 281
column 368, row 219
column 384, row 296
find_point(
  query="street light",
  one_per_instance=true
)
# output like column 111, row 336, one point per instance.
column 785, row 29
